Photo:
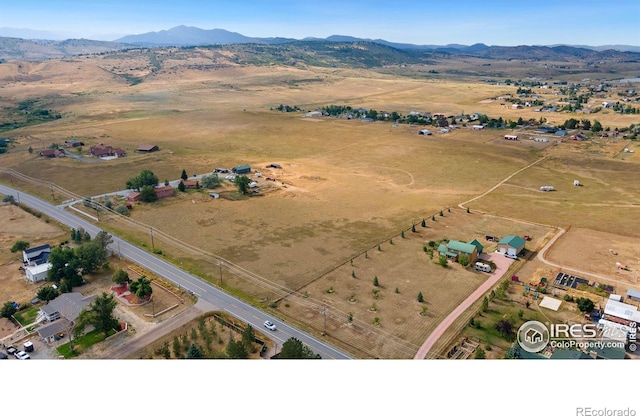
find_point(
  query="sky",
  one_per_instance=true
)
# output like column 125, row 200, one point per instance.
column 425, row 22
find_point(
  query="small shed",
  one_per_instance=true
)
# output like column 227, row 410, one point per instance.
column 510, row 137
column 424, row 132
column 214, row 195
column 633, row 294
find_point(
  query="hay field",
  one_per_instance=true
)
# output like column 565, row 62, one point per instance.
column 349, row 185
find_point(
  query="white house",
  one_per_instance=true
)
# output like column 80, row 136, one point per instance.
column 36, row 255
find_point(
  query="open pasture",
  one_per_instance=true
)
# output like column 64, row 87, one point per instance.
column 348, row 185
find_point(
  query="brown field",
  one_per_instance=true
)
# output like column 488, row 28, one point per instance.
column 348, row 185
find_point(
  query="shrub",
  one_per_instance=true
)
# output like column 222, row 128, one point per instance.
column 19, row 246
column 375, row 281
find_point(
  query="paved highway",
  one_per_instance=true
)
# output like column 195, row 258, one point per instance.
column 220, row 299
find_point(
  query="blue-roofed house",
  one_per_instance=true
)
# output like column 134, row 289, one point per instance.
column 36, row 255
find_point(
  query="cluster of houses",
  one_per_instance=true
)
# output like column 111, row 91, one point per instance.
column 100, row 150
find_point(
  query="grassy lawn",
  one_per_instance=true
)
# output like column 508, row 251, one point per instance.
column 27, row 316
column 82, row 343
column 485, row 323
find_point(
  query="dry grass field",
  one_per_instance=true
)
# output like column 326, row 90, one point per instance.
column 348, row 185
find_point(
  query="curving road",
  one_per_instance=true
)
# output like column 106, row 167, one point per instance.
column 212, row 295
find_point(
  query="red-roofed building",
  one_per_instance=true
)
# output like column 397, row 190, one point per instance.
column 101, row 150
column 52, row 153
column 190, row 184
column 164, row 191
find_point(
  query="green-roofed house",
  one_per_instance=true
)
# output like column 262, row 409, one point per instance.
column 453, row 249
column 511, row 245
column 478, row 245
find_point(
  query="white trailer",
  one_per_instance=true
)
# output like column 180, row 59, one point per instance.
column 483, row 267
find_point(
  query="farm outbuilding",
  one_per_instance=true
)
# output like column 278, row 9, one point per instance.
column 241, row 169
column 510, row 137
column 633, row 294
column 424, row 132
column 511, row 244
column 147, row 148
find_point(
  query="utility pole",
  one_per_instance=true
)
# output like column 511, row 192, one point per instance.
column 153, row 247
column 324, row 312
column 220, row 268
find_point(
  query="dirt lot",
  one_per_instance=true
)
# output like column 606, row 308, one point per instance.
column 16, row 224
column 593, row 251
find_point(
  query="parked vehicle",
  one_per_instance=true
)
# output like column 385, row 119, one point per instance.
column 11, row 350
column 270, row 325
column 21, row 355
column 28, row 346
column 483, row 267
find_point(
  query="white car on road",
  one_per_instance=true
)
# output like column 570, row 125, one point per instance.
column 270, row 325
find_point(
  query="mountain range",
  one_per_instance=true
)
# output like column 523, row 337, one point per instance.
column 191, row 36
column 14, row 48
